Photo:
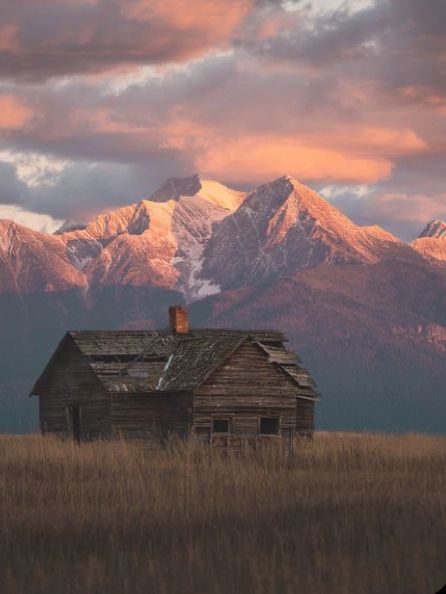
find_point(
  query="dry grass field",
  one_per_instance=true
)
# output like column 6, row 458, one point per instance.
column 349, row 514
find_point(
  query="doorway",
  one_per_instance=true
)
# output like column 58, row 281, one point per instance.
column 75, row 421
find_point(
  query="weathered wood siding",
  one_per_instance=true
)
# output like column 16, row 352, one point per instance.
column 70, row 381
column 151, row 415
column 245, row 388
column 304, row 417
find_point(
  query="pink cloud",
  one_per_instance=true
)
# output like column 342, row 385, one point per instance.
column 101, row 35
column 218, row 16
column 13, row 113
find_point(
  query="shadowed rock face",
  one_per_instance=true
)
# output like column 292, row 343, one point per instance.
column 176, row 187
column 366, row 311
column 435, row 229
column 71, row 225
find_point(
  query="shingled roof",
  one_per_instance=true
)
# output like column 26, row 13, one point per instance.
column 164, row 361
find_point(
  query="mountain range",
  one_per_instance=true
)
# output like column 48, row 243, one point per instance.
column 365, row 310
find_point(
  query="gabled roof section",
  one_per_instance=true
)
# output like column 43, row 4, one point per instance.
column 162, row 361
column 195, row 359
column 64, row 343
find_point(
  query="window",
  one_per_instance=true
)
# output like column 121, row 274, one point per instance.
column 269, row 425
column 220, row 426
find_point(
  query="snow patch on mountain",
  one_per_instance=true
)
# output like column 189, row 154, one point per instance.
column 192, row 225
column 81, row 251
column 220, row 195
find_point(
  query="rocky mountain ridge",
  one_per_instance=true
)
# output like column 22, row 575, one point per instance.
column 197, row 237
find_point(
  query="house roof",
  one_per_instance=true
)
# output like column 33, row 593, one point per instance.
column 162, row 361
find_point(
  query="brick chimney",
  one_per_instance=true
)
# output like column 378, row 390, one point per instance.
column 178, row 319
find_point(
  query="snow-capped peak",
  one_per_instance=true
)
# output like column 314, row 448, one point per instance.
column 209, row 190
column 221, row 195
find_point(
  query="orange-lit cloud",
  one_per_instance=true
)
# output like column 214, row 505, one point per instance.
column 350, row 153
column 268, row 157
column 218, row 16
column 375, row 140
column 13, row 114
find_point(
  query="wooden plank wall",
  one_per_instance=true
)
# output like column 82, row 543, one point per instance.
column 246, row 387
column 71, row 381
column 305, row 417
column 143, row 415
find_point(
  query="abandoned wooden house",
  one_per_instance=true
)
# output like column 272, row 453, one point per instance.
column 211, row 383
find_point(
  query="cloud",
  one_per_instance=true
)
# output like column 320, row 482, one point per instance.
column 42, row 39
column 404, row 214
column 273, row 156
column 12, row 190
column 13, row 113
column 243, row 90
column 393, row 42
column 39, row 222
column 79, row 189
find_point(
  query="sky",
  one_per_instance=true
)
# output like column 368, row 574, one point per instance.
column 103, row 100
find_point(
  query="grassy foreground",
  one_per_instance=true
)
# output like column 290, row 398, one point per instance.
column 349, row 515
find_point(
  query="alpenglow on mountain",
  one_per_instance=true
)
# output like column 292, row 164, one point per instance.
column 194, row 236
column 366, row 310
column 432, row 241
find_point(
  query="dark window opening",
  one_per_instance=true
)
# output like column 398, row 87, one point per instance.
column 269, row 425
column 75, row 421
column 220, row 426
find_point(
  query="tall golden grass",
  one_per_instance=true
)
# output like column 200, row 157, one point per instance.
column 349, row 514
